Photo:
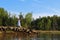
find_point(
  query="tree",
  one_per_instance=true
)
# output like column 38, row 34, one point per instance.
column 28, row 19
column 41, row 25
column 21, row 16
column 14, row 20
column 54, row 22
column 3, row 17
column 58, row 23
column 48, row 25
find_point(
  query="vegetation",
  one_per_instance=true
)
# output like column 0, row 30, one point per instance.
column 42, row 23
column 47, row 23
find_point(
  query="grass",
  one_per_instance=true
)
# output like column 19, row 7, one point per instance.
column 50, row 32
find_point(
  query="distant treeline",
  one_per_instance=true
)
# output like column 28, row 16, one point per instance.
column 27, row 21
column 46, row 23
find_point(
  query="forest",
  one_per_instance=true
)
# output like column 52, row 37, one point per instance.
column 27, row 21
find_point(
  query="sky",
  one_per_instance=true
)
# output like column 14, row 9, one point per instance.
column 37, row 7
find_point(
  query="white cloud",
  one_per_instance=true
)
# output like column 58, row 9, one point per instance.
column 55, row 11
column 36, row 15
column 13, row 13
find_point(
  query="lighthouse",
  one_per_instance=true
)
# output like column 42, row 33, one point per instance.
column 19, row 23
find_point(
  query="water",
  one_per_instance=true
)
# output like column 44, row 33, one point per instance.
column 27, row 36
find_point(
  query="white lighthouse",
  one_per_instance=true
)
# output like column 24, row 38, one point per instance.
column 19, row 23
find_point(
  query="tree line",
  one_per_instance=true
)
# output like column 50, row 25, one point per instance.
column 46, row 23
column 27, row 21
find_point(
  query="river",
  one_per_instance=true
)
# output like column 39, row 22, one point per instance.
column 27, row 36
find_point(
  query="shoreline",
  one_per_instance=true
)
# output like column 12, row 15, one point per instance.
column 34, row 31
column 50, row 32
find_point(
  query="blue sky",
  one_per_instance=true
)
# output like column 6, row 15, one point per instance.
column 37, row 7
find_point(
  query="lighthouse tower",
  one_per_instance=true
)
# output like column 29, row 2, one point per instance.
column 19, row 23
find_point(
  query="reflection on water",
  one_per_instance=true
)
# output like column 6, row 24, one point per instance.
column 26, row 36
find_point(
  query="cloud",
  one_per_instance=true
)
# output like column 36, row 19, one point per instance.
column 13, row 13
column 37, row 15
column 51, row 13
column 55, row 11
column 50, row 9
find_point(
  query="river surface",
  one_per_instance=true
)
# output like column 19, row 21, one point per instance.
column 27, row 36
